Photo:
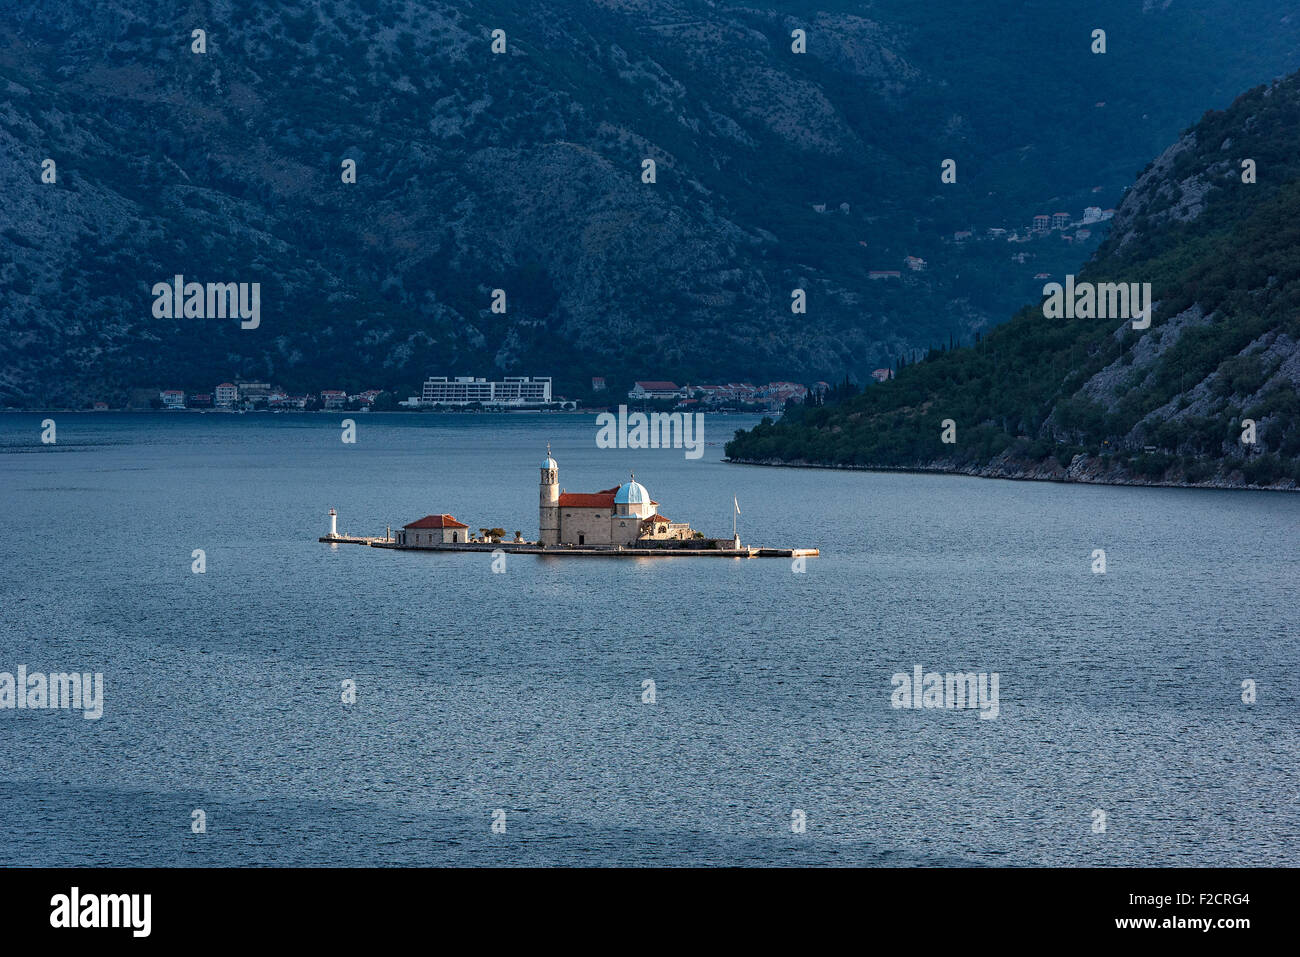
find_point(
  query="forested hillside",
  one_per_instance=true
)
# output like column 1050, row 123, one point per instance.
column 1095, row 399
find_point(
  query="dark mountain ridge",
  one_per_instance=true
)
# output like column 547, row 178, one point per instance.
column 522, row 171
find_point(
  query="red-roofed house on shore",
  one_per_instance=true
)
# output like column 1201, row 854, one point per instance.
column 433, row 530
column 655, row 389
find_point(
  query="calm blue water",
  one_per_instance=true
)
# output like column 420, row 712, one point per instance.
column 522, row 691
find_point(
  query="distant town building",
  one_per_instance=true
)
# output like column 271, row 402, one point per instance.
column 226, row 394
column 253, row 390
column 468, row 390
column 1082, row 234
column 915, row 263
column 882, row 375
column 996, row 232
column 1060, row 220
column 712, row 394
column 1092, row 214
column 1043, row 275
column 776, row 394
column 333, row 399
column 597, row 383
column 655, row 389
column 962, row 235
column 200, row 400
column 1042, row 223
column 884, row 274
column 172, row 399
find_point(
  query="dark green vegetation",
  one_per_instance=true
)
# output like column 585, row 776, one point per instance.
column 521, row 172
column 1094, row 399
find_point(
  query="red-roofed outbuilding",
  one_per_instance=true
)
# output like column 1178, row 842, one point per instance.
column 433, row 530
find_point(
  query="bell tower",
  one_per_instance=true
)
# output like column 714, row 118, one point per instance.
column 548, row 502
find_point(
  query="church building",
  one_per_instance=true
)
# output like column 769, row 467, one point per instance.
column 621, row 515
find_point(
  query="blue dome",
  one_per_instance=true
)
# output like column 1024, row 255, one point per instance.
column 633, row 493
column 549, row 463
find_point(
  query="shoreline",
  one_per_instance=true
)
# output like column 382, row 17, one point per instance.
column 217, row 411
column 1016, row 476
column 585, row 410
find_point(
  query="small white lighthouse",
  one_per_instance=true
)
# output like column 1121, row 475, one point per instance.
column 334, row 524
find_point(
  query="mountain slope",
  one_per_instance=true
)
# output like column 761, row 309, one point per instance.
column 521, row 171
column 1095, row 399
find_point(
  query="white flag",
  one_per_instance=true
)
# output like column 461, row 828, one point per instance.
column 735, row 503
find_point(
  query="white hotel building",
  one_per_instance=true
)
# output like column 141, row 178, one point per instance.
column 467, row 390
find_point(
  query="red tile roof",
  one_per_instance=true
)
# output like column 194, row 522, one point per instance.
column 437, row 521
column 603, row 499
column 658, row 386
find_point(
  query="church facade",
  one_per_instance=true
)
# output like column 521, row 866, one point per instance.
column 622, row 515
